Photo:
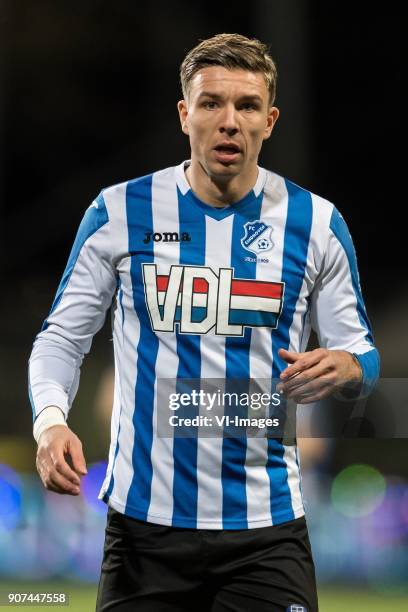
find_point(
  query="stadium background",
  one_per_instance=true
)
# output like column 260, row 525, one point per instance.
column 88, row 96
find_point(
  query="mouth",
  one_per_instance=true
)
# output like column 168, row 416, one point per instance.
column 227, row 151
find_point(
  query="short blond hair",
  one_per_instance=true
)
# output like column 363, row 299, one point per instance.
column 230, row 51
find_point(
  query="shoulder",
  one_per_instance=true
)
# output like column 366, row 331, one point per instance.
column 320, row 204
column 113, row 200
column 118, row 191
column 328, row 222
column 325, row 213
column 136, row 186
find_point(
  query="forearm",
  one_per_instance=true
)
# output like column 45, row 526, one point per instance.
column 53, row 373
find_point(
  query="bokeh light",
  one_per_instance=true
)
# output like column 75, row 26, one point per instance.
column 388, row 523
column 50, row 536
column 358, row 490
column 91, row 484
column 10, row 496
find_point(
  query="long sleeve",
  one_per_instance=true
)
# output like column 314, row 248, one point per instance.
column 338, row 313
column 83, row 297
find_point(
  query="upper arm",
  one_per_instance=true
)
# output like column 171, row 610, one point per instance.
column 83, row 297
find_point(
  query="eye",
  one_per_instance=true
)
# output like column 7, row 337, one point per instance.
column 249, row 106
column 210, row 104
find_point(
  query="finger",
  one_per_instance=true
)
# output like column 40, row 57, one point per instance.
column 306, row 361
column 55, row 489
column 311, row 391
column 50, row 477
column 289, row 356
column 61, row 484
column 311, row 386
column 60, row 464
column 77, row 456
column 322, row 369
column 308, row 399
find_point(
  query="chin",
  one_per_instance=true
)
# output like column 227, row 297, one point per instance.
column 218, row 169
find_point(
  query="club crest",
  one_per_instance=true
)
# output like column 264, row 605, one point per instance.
column 258, row 237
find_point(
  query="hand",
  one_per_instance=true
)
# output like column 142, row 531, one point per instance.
column 313, row 375
column 56, row 445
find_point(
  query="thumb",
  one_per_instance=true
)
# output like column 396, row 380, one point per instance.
column 77, row 456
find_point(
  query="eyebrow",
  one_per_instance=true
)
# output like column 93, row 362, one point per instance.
column 215, row 96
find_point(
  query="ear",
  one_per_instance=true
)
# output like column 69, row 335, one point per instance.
column 273, row 114
column 183, row 114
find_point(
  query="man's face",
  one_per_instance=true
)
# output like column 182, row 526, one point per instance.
column 227, row 118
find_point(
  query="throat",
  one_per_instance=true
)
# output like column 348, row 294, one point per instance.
column 217, row 193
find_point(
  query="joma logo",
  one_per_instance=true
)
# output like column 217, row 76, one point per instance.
column 166, row 237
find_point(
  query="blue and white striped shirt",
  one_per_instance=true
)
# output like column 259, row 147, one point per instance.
column 200, row 292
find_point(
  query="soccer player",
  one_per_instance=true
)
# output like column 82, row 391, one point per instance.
column 215, row 268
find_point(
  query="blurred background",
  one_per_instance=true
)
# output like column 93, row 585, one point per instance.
column 88, row 95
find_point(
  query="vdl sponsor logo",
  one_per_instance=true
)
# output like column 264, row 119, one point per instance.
column 166, row 237
column 296, row 608
column 199, row 299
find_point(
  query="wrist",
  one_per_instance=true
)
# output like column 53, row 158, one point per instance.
column 357, row 378
column 350, row 388
column 50, row 416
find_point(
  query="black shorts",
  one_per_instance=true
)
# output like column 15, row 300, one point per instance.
column 154, row 568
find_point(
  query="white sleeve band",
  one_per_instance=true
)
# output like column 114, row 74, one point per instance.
column 52, row 415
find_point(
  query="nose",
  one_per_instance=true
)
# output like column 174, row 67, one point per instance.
column 229, row 121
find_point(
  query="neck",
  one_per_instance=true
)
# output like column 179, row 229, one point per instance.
column 222, row 191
